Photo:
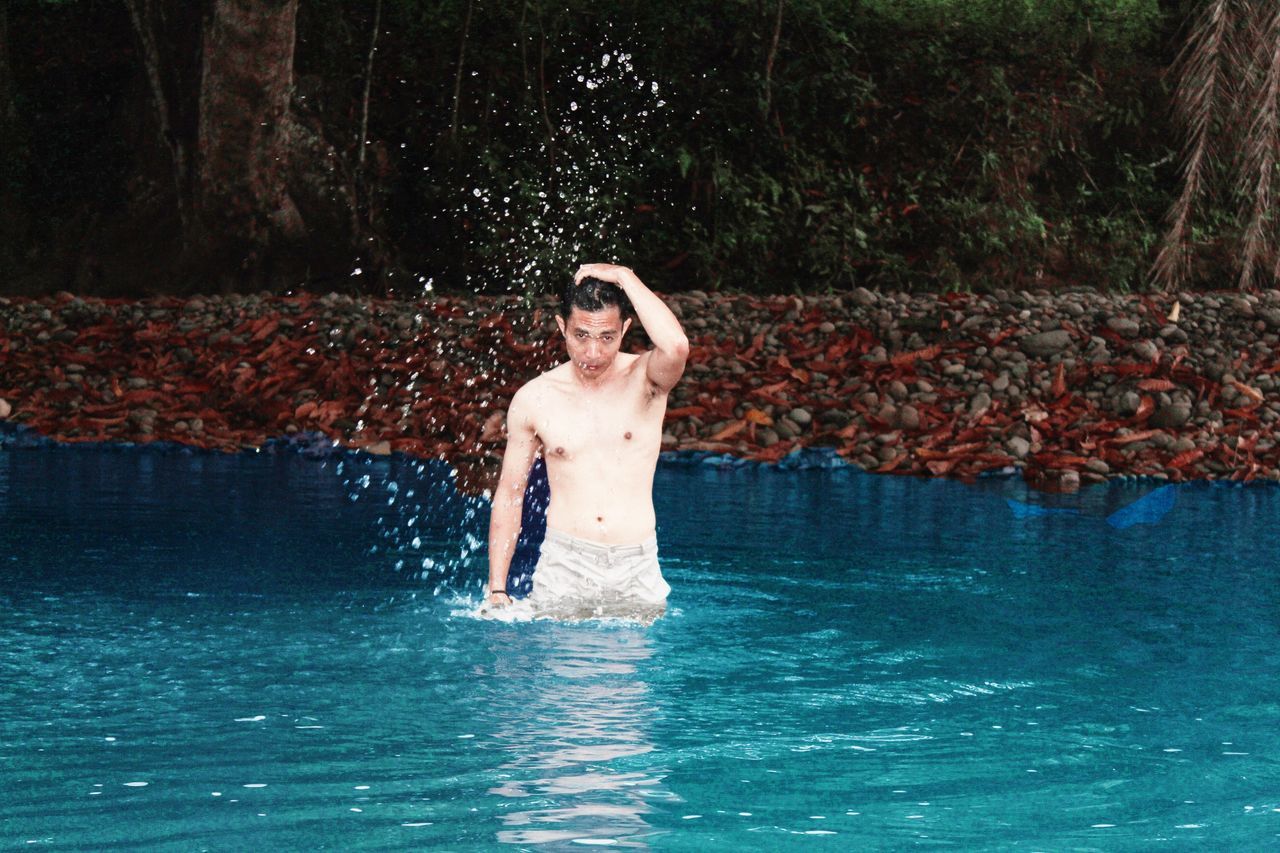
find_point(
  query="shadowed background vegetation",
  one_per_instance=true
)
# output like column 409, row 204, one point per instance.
column 761, row 145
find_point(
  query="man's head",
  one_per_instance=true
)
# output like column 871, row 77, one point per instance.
column 592, row 295
column 593, row 318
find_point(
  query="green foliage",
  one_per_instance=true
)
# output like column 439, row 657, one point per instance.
column 902, row 144
column 908, row 143
column 66, row 156
column 1116, row 24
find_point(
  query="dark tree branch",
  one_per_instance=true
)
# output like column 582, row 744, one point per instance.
column 542, row 97
column 457, row 80
column 773, row 55
column 141, row 16
column 368, row 82
column 524, row 46
column 8, row 108
column 12, row 216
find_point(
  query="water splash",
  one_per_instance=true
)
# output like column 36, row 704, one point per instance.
column 593, row 119
column 428, row 530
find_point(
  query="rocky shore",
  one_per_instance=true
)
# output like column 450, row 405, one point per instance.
column 1066, row 387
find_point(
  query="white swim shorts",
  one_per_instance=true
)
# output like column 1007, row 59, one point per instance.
column 577, row 572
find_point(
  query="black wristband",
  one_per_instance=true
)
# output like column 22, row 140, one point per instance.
column 499, row 591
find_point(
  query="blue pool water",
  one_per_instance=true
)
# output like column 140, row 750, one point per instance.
column 266, row 652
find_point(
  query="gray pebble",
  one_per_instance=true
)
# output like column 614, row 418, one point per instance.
column 1124, row 326
column 1172, row 416
column 1045, row 344
column 1098, row 466
column 1146, row 350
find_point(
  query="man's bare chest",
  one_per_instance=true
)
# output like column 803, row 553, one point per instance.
column 609, row 425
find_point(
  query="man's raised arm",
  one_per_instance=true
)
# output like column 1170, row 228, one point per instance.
column 670, row 346
column 508, row 497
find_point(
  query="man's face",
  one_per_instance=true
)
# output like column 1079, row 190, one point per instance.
column 593, row 338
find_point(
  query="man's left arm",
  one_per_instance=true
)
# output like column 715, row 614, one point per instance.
column 670, row 351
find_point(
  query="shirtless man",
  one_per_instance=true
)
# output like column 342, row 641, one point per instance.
column 597, row 421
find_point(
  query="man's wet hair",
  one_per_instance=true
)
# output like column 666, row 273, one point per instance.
column 593, row 294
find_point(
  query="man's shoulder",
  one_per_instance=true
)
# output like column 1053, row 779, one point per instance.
column 543, row 382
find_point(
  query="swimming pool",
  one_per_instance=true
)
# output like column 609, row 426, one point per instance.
column 205, row 651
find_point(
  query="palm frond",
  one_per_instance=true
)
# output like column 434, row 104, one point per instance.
column 1203, row 87
column 1227, row 102
column 1260, row 146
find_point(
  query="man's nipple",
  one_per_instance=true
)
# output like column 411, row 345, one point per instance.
column 627, row 436
column 559, row 451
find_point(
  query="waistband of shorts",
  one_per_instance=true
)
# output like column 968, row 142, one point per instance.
column 586, row 546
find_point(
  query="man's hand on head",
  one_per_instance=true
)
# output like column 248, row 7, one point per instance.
column 499, row 599
column 613, row 273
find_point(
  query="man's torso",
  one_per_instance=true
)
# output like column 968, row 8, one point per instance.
column 601, row 447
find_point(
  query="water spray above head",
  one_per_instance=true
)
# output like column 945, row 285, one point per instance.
column 592, row 295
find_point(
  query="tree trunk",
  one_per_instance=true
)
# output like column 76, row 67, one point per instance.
column 244, row 215
column 264, row 200
column 11, row 218
column 8, row 109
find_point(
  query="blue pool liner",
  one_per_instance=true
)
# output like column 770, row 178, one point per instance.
column 21, row 437
column 1021, row 509
column 1151, row 508
column 311, row 444
column 799, row 459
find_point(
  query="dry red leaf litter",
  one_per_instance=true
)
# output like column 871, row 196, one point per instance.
column 1068, row 387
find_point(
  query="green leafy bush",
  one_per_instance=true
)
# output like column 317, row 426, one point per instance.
column 761, row 145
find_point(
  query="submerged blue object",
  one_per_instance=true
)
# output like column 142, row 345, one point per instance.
column 1026, row 510
column 1151, row 508
column 1148, row 509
